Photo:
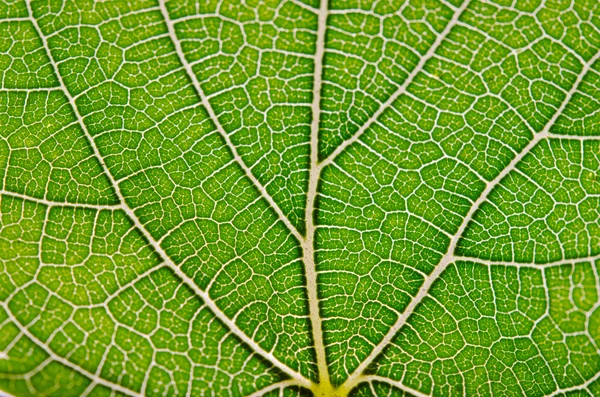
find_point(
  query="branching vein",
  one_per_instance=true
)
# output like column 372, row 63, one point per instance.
column 449, row 257
column 159, row 250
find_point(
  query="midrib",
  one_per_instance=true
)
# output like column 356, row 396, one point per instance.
column 357, row 376
column 309, row 241
column 354, row 377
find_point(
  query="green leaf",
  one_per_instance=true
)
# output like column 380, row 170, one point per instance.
column 296, row 198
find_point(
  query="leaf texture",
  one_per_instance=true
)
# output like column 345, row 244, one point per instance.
column 300, row 198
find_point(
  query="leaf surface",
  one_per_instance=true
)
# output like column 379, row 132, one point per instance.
column 294, row 198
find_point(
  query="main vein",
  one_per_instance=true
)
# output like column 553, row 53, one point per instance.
column 230, row 324
column 449, row 257
column 308, row 244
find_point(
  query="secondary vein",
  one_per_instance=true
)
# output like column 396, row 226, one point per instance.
column 213, row 116
column 401, row 90
column 449, row 258
column 230, row 324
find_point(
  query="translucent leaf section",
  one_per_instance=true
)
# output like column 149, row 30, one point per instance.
column 23, row 61
column 546, row 210
column 44, row 152
column 396, row 196
column 582, row 115
column 254, row 62
column 501, row 330
column 531, row 68
column 294, row 198
column 95, row 311
column 125, row 140
column 380, row 241
column 371, row 48
column 175, row 171
column 34, row 371
column 20, row 236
